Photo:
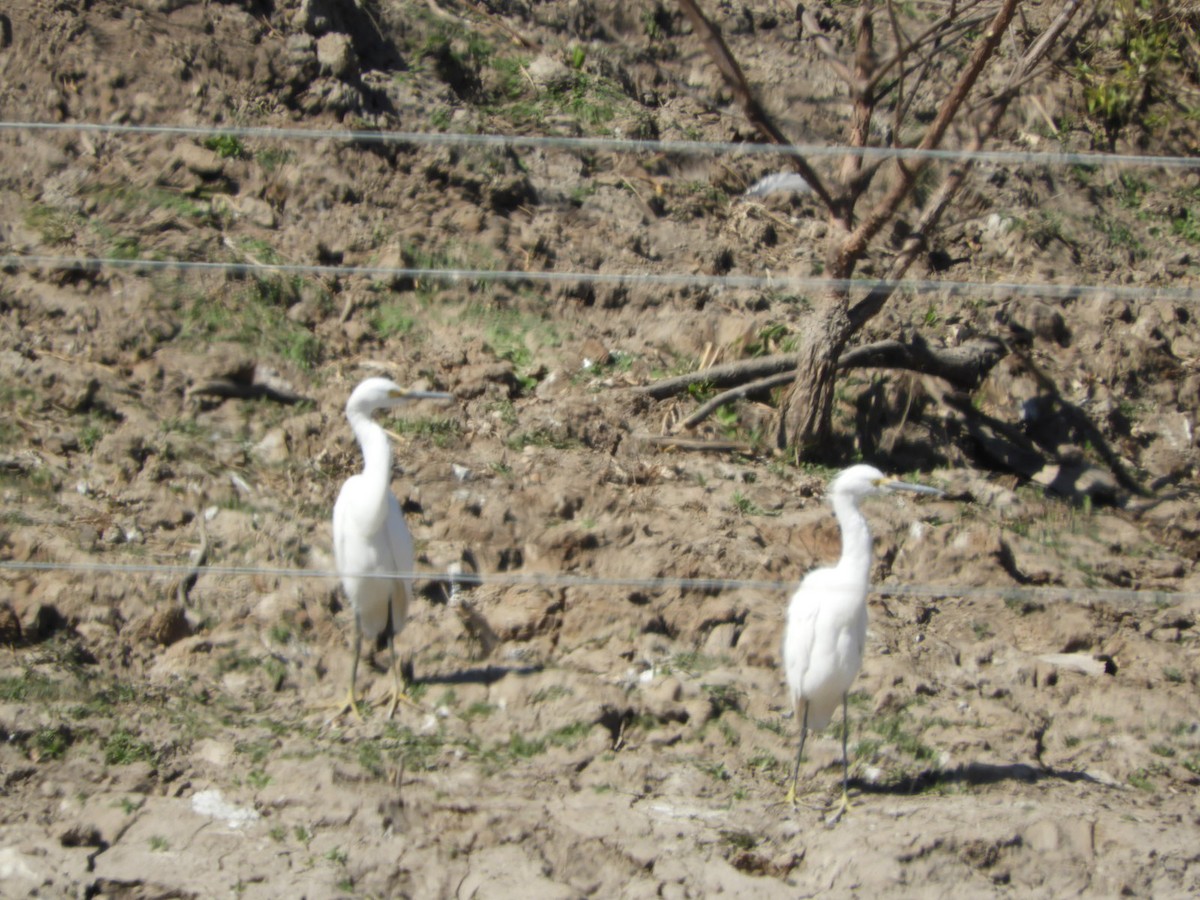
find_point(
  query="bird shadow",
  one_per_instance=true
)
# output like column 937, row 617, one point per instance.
column 973, row 774
column 479, row 675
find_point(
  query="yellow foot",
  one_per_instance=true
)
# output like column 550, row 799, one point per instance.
column 349, row 705
column 840, row 810
column 790, row 799
column 398, row 697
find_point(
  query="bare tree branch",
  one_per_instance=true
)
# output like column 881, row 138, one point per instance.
column 825, row 45
column 730, row 374
column 914, row 244
column 856, row 243
column 718, row 50
column 862, row 100
column 707, row 408
column 964, row 367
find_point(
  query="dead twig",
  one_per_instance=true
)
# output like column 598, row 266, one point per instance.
column 720, row 54
column 711, row 405
column 671, row 442
column 199, row 558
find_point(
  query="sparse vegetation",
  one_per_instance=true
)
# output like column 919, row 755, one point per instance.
column 616, row 741
column 226, row 146
column 124, row 747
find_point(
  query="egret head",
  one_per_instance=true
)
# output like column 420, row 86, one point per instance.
column 863, row 481
column 380, row 393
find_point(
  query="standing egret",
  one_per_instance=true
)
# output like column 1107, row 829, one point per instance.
column 370, row 537
column 827, row 618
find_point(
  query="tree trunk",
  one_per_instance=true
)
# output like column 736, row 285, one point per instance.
column 806, row 414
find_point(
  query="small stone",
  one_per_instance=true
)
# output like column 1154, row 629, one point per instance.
column 336, row 56
column 273, row 448
column 166, row 625
column 199, row 160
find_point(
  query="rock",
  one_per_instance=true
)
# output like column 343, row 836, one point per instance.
column 549, row 73
column 10, row 626
column 524, row 613
column 1079, row 480
column 336, row 56
column 22, row 873
column 256, row 211
column 1083, row 663
column 392, row 257
column 199, row 160
column 663, row 700
column 273, row 449
column 165, row 625
column 720, row 639
column 217, row 753
column 474, row 380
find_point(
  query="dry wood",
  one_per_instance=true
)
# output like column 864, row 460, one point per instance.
column 671, row 442
column 719, row 51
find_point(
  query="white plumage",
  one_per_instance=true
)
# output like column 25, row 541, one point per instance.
column 370, row 536
column 827, row 616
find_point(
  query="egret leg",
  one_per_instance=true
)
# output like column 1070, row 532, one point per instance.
column 399, row 693
column 791, row 794
column 844, row 806
column 396, row 614
column 352, row 703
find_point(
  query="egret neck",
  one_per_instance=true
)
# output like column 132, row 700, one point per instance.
column 372, row 501
column 856, row 537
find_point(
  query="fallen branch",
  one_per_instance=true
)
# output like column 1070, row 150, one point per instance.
column 964, row 367
column 727, row 375
column 711, row 405
column 670, row 442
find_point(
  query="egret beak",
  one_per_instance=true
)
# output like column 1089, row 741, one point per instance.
column 889, row 484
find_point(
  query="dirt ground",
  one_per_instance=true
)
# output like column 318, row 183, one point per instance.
column 1026, row 722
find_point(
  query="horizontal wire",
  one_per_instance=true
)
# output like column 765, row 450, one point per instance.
column 1057, row 291
column 616, row 145
column 1111, row 595
column 998, row 290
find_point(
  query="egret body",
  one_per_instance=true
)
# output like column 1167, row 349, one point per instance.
column 370, row 537
column 827, row 617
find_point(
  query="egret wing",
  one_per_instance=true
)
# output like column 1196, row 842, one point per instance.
column 800, row 635
column 400, row 543
column 344, row 534
column 812, row 657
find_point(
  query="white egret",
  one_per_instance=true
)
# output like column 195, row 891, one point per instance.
column 370, row 537
column 827, row 618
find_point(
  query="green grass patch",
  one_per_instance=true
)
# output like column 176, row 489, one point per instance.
column 123, row 747
column 542, row 437
column 442, row 432
column 255, row 316
column 393, row 319
column 30, row 687
column 549, row 693
column 49, row 744
column 569, row 736
column 54, row 226
column 227, row 146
